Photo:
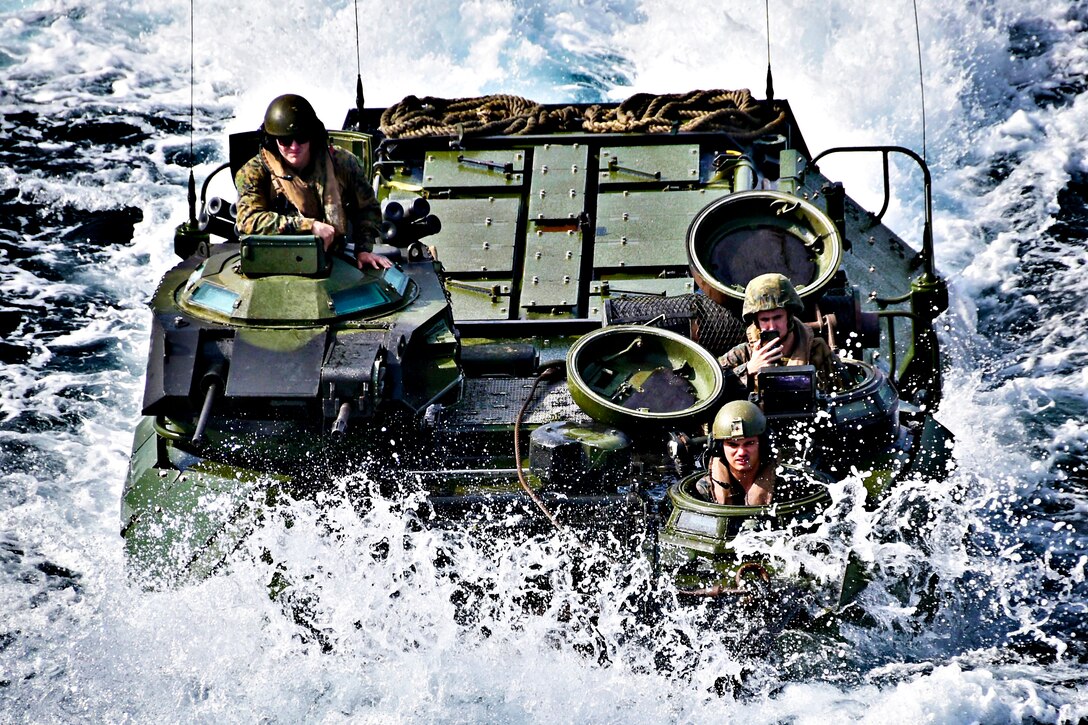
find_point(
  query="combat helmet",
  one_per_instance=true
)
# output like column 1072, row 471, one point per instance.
column 769, row 292
column 291, row 115
column 739, row 419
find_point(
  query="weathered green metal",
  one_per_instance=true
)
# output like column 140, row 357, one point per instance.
column 219, row 289
column 183, row 525
column 921, row 366
column 709, row 528
column 746, row 234
column 643, row 376
column 273, row 370
column 294, row 255
column 573, row 456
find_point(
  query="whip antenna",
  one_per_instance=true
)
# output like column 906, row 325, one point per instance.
column 770, row 82
column 192, row 103
column 359, row 70
column 921, row 77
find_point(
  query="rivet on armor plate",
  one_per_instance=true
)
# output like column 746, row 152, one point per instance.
column 487, row 245
column 487, row 221
column 626, row 216
column 536, row 280
column 574, row 168
column 566, row 280
column 872, row 240
column 573, row 193
column 538, row 255
column 623, row 241
column 544, row 169
column 543, row 193
column 570, row 254
column 872, row 268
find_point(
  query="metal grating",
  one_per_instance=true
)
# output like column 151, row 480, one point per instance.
column 497, row 401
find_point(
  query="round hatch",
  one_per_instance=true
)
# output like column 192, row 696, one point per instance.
column 741, row 236
column 638, row 375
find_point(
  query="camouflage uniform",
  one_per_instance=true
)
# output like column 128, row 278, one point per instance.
column 765, row 477
column 774, row 291
column 810, row 349
column 263, row 208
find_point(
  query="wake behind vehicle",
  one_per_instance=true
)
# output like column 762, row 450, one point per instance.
column 544, row 350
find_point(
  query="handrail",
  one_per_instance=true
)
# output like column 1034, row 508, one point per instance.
column 927, row 182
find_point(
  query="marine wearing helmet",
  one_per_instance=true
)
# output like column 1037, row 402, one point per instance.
column 776, row 335
column 299, row 184
column 291, row 115
column 741, row 471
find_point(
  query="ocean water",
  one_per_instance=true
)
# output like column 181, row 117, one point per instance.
column 978, row 609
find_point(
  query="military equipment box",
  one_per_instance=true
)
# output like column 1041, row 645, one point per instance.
column 265, row 255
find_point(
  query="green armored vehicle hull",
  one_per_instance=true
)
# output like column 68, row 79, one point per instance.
column 544, row 350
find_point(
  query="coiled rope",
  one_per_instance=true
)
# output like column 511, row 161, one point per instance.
column 734, row 112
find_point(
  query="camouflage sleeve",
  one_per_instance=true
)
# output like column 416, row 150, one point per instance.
column 255, row 208
column 363, row 209
column 702, row 489
column 737, row 360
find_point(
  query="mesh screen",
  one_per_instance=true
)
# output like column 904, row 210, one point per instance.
column 694, row 316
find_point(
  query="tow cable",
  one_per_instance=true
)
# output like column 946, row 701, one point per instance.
column 548, row 373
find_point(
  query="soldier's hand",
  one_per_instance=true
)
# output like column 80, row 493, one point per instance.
column 764, row 354
column 369, row 259
column 325, row 232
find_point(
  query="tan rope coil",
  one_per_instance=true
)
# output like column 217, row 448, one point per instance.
column 733, row 112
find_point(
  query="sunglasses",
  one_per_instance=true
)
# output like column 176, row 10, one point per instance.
column 287, row 141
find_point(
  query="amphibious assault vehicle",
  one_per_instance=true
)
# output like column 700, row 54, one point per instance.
column 544, row 350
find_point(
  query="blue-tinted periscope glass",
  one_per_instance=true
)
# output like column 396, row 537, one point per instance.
column 214, row 298
column 397, row 280
column 357, row 299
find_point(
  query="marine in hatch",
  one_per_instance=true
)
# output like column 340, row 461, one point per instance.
column 298, row 184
